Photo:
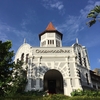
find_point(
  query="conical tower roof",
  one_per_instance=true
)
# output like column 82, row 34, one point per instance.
column 51, row 29
column 50, row 26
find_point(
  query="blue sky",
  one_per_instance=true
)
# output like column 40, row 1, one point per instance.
column 21, row 19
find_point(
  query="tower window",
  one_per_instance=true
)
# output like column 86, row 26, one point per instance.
column 43, row 43
column 50, row 41
column 57, row 43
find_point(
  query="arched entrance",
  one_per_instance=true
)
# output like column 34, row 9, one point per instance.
column 53, row 81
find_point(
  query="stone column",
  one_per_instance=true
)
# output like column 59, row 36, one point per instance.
column 67, row 87
column 38, row 74
column 28, row 87
column 37, row 79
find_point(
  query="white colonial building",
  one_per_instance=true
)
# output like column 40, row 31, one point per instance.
column 53, row 67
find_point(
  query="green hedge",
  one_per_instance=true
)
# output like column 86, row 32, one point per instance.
column 56, row 97
column 46, row 97
column 50, row 97
column 22, row 98
column 84, row 98
column 85, row 93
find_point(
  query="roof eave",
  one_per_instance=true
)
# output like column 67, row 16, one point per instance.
column 50, row 31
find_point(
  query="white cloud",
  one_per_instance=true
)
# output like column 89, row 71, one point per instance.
column 91, row 1
column 16, row 36
column 57, row 5
column 99, row 60
column 97, row 3
column 71, row 27
column 4, row 28
column 86, row 10
column 30, row 16
column 3, row 37
column 89, row 7
column 53, row 4
column 74, row 24
column 7, row 32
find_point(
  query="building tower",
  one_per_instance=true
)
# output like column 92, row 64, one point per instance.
column 50, row 37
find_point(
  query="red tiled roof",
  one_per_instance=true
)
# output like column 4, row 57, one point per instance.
column 50, row 27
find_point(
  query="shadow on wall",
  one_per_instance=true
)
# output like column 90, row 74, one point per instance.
column 50, row 79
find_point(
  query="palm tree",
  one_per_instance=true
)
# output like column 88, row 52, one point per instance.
column 95, row 15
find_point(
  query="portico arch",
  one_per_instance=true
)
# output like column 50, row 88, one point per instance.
column 53, row 81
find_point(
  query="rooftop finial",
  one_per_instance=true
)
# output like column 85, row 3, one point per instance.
column 24, row 40
column 77, row 40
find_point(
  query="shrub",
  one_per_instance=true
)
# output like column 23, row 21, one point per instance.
column 85, row 93
column 84, row 98
column 56, row 97
column 33, row 93
column 22, row 98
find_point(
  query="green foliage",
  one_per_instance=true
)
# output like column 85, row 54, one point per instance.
column 22, row 98
column 85, row 93
column 13, row 77
column 50, row 97
column 84, row 98
column 19, row 80
column 94, row 15
column 6, row 66
column 91, row 22
column 56, row 97
column 33, row 93
column 19, row 77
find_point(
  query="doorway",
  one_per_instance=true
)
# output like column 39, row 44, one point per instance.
column 52, row 86
column 53, row 81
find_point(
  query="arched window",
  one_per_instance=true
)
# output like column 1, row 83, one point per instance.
column 22, row 57
column 80, row 59
column 85, row 62
column 87, row 79
column 27, row 58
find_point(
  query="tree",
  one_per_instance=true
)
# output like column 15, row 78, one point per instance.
column 19, row 78
column 13, row 77
column 94, row 14
column 6, row 66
